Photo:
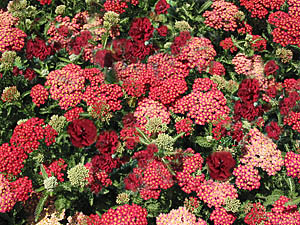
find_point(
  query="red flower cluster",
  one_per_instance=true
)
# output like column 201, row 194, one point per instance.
column 259, row 9
column 97, row 179
column 37, row 48
column 29, row 74
column 107, row 142
column 56, row 168
column 187, row 178
column 228, row 44
column 44, row 2
column 161, row 7
column 292, row 164
column 11, row 39
column 80, row 42
column 281, row 214
column 220, row 217
column 223, row 16
column 66, row 85
column 202, row 106
column 257, row 214
column 258, row 43
column 180, row 41
column 247, row 177
column 150, row 179
column 287, row 28
column 184, row 125
column 162, row 30
column 293, row 120
column 220, row 165
column 11, row 160
column 83, row 132
column 118, row 6
column 217, row 68
column 125, row 215
column 273, row 130
column 39, row 94
column 28, row 135
column 73, row 114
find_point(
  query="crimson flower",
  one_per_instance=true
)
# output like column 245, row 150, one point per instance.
column 271, row 67
column 83, row 132
column 161, row 7
column 220, row 165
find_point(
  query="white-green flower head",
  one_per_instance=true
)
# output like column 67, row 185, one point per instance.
column 78, row 175
column 50, row 183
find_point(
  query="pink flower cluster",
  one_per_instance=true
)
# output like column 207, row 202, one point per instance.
column 198, row 52
column 125, row 215
column 263, row 153
column 205, row 104
column 247, row 177
column 11, row 38
column 281, row 214
column 214, row 193
column 221, row 217
column 179, row 216
column 186, row 178
column 223, row 16
column 73, row 114
column 148, row 109
column 292, row 164
column 66, row 85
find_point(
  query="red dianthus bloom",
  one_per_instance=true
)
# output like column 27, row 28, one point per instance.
column 141, row 29
column 220, row 165
column 107, row 142
column 83, row 132
column 161, row 7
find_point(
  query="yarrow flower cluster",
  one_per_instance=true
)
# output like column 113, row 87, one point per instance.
column 189, row 178
column 10, row 94
column 214, row 193
column 125, row 214
column 180, row 216
column 260, row 9
column 221, row 217
column 149, row 108
column 292, row 164
column 205, row 104
column 11, row 38
column 198, row 52
column 263, row 153
column 118, row 6
column 28, row 135
column 39, row 94
column 56, row 168
column 281, row 214
column 66, row 85
column 293, row 120
column 223, row 16
column 247, row 177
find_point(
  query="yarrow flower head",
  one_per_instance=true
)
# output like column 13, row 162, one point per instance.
column 10, row 94
column 78, row 175
column 50, row 183
column 125, row 214
column 39, row 94
column 180, row 216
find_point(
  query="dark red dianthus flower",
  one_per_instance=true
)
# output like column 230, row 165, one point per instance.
column 249, row 90
column 220, row 165
column 162, row 31
column 107, row 142
column 271, row 67
column 273, row 130
column 83, row 132
column 141, row 29
column 161, row 7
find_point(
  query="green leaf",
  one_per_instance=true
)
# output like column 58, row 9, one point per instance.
column 204, row 7
column 270, row 200
column 62, row 203
column 40, row 206
column 44, row 173
column 40, row 189
column 295, row 201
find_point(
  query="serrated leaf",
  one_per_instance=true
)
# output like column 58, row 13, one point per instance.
column 295, row 201
column 204, row 7
column 40, row 206
column 44, row 173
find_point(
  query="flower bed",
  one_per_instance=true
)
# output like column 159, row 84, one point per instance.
column 160, row 112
